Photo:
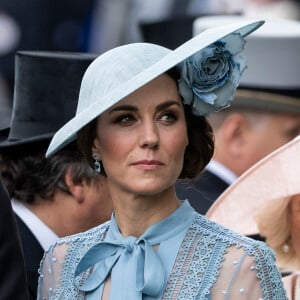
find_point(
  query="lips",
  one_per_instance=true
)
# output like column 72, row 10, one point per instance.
column 148, row 164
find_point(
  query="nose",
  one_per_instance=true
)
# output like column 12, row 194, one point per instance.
column 149, row 135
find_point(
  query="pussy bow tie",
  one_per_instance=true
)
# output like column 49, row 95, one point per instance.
column 134, row 254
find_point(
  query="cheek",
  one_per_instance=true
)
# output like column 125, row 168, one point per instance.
column 177, row 143
column 274, row 136
column 113, row 147
column 295, row 223
column 264, row 143
column 295, row 219
column 295, row 236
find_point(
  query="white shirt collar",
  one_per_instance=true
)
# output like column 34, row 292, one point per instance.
column 221, row 171
column 45, row 236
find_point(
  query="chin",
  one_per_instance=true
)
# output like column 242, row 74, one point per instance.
column 152, row 189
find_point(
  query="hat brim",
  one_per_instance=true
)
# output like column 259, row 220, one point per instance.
column 270, row 101
column 274, row 177
column 5, row 143
column 5, row 122
column 68, row 132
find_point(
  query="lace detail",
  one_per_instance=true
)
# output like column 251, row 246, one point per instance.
column 76, row 245
column 212, row 263
column 267, row 272
column 201, row 257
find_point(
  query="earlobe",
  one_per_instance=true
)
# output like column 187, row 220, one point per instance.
column 187, row 141
column 76, row 189
column 95, row 149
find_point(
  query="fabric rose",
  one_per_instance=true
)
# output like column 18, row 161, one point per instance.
column 210, row 77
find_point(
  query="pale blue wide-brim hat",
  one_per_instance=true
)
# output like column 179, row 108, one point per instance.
column 122, row 70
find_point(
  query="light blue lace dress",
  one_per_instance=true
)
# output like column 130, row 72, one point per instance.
column 185, row 256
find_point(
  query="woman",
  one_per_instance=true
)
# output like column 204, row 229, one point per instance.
column 143, row 131
column 279, row 223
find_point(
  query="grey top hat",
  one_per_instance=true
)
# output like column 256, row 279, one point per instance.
column 272, row 80
column 45, row 94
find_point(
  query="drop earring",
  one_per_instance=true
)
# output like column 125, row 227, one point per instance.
column 97, row 165
column 285, row 248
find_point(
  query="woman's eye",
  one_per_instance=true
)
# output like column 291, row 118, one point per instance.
column 169, row 117
column 125, row 119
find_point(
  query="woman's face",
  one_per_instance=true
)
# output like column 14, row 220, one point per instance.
column 295, row 223
column 142, row 139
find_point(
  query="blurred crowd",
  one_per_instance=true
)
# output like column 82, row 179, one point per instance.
column 98, row 25
column 95, row 26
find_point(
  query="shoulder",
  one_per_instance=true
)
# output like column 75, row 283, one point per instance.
column 211, row 253
column 59, row 262
column 78, row 243
column 90, row 236
column 243, row 257
column 211, row 230
column 73, row 247
column 12, row 283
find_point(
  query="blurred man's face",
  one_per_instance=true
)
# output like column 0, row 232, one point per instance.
column 269, row 133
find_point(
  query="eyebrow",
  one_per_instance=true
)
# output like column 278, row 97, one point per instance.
column 123, row 107
column 159, row 107
column 166, row 104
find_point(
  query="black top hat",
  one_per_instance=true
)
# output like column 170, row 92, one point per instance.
column 45, row 94
column 170, row 33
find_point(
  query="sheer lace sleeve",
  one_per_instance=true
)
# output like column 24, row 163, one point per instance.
column 57, row 272
column 50, row 271
column 251, row 276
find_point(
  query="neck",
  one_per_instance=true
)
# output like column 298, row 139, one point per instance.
column 135, row 213
column 53, row 213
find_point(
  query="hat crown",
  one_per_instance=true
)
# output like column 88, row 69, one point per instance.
column 45, row 93
column 114, row 69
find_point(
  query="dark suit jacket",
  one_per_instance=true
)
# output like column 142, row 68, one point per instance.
column 12, row 271
column 202, row 192
column 33, row 253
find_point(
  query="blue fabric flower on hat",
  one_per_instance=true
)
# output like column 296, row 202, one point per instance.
column 210, row 77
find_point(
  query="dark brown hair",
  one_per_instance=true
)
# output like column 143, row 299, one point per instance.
column 26, row 172
column 197, row 154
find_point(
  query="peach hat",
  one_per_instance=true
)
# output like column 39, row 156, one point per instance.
column 275, row 176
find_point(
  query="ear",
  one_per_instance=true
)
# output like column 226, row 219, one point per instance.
column 187, row 140
column 235, row 130
column 96, row 147
column 76, row 189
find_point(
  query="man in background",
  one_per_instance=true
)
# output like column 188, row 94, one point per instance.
column 12, row 272
column 57, row 196
column 264, row 115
